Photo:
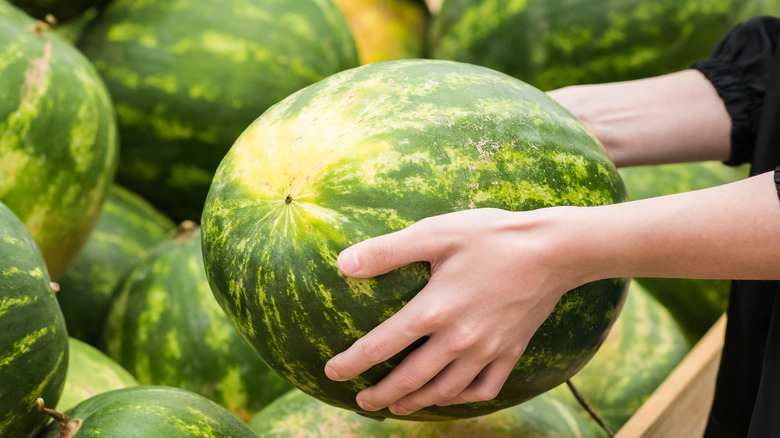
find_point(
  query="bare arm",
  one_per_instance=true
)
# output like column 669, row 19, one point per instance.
column 672, row 118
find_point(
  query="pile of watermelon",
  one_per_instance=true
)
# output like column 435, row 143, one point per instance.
column 178, row 177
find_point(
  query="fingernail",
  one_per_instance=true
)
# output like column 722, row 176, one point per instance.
column 332, row 374
column 348, row 262
column 366, row 405
column 399, row 410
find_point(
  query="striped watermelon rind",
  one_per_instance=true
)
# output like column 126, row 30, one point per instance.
column 127, row 227
column 90, row 372
column 33, row 337
column 640, row 352
column 165, row 327
column 372, row 150
column 58, row 137
column 548, row 415
column 555, row 43
column 187, row 77
column 153, row 411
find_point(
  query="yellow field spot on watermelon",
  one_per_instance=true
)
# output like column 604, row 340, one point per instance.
column 284, row 158
column 37, row 78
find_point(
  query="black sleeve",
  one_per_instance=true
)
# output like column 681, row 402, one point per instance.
column 739, row 68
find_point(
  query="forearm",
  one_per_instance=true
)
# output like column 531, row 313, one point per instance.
column 673, row 118
column 726, row 232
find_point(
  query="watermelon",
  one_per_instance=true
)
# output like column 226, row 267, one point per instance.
column 166, row 328
column 642, row 349
column 695, row 303
column 387, row 29
column 128, row 226
column 554, row 43
column 33, row 338
column 150, row 411
column 372, row 150
column 90, row 372
column 549, row 415
column 61, row 10
column 54, row 183
column 187, row 77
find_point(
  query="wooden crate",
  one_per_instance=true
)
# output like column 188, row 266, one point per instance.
column 680, row 406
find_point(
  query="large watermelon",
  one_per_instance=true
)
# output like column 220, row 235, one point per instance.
column 554, row 43
column 58, row 140
column 166, row 328
column 642, row 349
column 33, row 338
column 372, row 150
column 387, row 29
column 188, row 76
column 550, row 415
column 150, row 411
column 126, row 228
column 695, row 303
column 90, row 372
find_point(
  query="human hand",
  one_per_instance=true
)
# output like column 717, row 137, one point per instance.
column 495, row 277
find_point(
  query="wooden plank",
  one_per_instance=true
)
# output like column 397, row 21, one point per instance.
column 680, row 406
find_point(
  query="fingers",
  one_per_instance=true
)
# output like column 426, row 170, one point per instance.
column 384, row 253
column 487, row 384
column 380, row 344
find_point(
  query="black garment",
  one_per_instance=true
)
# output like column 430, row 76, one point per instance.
column 745, row 70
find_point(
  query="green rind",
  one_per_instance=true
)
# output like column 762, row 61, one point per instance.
column 153, row 411
column 58, row 137
column 33, row 338
column 695, row 303
column 549, row 415
column 90, row 372
column 187, row 77
column 555, row 43
column 127, row 227
column 372, row 150
column 166, row 328
column 642, row 349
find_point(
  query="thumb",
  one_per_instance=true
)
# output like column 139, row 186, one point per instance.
column 385, row 253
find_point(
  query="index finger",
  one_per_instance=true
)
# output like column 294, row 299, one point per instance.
column 382, row 254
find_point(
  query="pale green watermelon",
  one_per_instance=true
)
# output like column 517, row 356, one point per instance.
column 188, row 76
column 58, row 137
column 90, row 372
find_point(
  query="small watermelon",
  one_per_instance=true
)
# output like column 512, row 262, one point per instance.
column 90, row 372
column 642, row 349
column 188, row 76
column 58, row 137
column 33, row 338
column 127, row 227
column 554, row 43
column 372, row 150
column 549, row 415
column 148, row 411
column 166, row 328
